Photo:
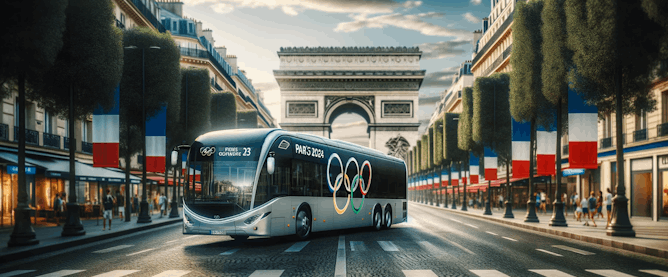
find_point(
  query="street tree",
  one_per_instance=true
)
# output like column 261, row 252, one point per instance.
column 195, row 103
column 451, row 152
column 430, row 160
column 88, row 68
column 438, row 153
column 223, row 111
column 31, row 34
column 491, row 107
column 616, row 47
column 247, row 119
column 420, row 167
column 465, row 140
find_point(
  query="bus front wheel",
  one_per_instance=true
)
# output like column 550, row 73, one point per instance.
column 377, row 219
column 388, row 217
column 303, row 223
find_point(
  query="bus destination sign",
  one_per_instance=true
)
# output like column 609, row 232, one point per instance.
column 235, row 152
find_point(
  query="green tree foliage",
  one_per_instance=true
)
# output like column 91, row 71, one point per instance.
column 430, row 146
column 247, row 119
column 557, row 59
column 438, row 142
column 656, row 10
column 451, row 151
column 418, row 157
column 223, row 111
column 465, row 127
column 491, row 114
column 196, row 87
column 424, row 163
column 162, row 80
column 32, row 36
column 90, row 62
column 613, row 40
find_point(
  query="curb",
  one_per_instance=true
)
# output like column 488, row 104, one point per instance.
column 605, row 242
column 85, row 240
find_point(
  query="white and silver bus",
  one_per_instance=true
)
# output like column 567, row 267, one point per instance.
column 270, row 182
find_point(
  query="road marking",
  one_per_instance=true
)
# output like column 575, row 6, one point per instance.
column 16, row 272
column 608, row 273
column 340, row 268
column 135, row 253
column 230, row 252
column 266, row 273
column 491, row 233
column 172, row 273
column 297, row 246
column 471, row 225
column 116, row 273
column 655, row 272
column 113, row 248
column 568, row 248
column 388, row 246
column 509, row 238
column 455, row 220
column 172, row 241
column 488, row 273
column 548, row 252
column 357, row 246
column 61, row 273
column 460, row 247
column 419, row 273
column 190, row 237
column 551, row 273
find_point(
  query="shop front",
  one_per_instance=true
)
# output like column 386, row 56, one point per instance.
column 641, row 187
column 663, row 186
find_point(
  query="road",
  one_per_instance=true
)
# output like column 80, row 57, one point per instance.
column 433, row 243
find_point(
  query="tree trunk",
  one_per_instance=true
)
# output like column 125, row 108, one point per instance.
column 128, row 183
column 73, row 226
column 531, row 204
column 558, row 218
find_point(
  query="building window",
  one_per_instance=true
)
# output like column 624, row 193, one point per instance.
column 664, row 107
column 397, row 109
column 607, row 126
column 48, row 125
column 302, row 109
column 123, row 18
column 190, row 27
column 174, row 26
column 84, row 131
column 641, row 121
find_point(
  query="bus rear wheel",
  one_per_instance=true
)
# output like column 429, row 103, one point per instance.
column 303, row 223
column 377, row 219
column 388, row 218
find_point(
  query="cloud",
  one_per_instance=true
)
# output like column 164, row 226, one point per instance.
column 442, row 49
column 222, row 8
column 471, row 18
column 440, row 79
column 428, row 100
column 291, row 7
column 413, row 22
column 476, row 2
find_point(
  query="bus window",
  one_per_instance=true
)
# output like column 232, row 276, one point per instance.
column 306, row 178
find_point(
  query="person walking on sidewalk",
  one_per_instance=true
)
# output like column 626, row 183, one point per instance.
column 500, row 202
column 584, row 204
column 57, row 208
column 163, row 203
column 108, row 205
column 599, row 204
column 592, row 206
column 543, row 202
column 575, row 200
column 608, row 204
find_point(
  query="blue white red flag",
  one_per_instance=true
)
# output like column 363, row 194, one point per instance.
column 474, row 163
column 521, row 147
column 491, row 164
column 106, row 129
column 437, row 180
column 546, row 150
column 444, row 177
column 454, row 174
column 582, row 132
column 156, row 141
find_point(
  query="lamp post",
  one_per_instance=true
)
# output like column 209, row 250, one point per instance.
column 175, row 206
column 143, row 217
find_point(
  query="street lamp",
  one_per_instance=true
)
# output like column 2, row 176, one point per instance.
column 144, row 217
column 175, row 206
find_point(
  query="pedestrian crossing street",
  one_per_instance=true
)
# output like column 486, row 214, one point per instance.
column 407, row 273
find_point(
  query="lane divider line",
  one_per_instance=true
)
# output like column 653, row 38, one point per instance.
column 172, row 241
column 548, row 252
column 116, row 273
column 230, row 252
column 491, row 233
column 575, row 250
column 509, row 238
column 140, row 252
column 550, row 273
column 107, row 250
column 340, row 267
column 608, row 273
column 471, row 225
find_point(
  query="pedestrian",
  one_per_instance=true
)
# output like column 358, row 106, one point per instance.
column 537, row 196
column 564, row 199
column 108, row 205
column 584, row 204
column 608, row 204
column 592, row 206
column 500, row 202
column 543, row 202
column 121, row 204
column 576, row 201
column 163, row 204
column 599, row 204
column 57, row 208
column 135, row 205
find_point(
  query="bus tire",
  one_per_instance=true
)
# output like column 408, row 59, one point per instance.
column 377, row 218
column 387, row 219
column 303, row 222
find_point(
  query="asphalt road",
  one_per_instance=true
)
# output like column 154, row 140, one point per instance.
column 433, row 243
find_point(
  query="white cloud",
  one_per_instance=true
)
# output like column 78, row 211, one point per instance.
column 410, row 22
column 471, row 18
column 442, row 49
column 476, row 2
column 291, row 7
column 222, row 8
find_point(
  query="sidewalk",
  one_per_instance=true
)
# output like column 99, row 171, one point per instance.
column 50, row 239
column 651, row 237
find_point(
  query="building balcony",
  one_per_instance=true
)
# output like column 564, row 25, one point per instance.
column 662, row 129
column 120, row 25
column 66, row 143
column 51, row 140
column 87, row 147
column 606, row 143
column 4, row 132
column 31, row 136
column 192, row 52
column 497, row 62
column 640, row 135
column 149, row 15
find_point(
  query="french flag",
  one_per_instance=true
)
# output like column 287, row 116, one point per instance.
column 430, row 180
column 156, row 141
column 546, row 150
column 455, row 175
column 521, row 147
column 582, row 133
column 437, row 180
column 106, row 128
column 491, row 164
column 444, row 178
column 474, row 164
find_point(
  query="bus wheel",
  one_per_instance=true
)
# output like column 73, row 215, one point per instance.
column 377, row 219
column 303, row 223
column 388, row 217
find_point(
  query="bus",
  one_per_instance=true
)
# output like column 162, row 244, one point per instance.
column 271, row 182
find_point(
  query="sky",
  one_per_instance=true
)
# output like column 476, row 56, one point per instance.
column 254, row 30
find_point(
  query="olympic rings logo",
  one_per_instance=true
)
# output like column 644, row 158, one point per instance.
column 343, row 179
column 207, row 151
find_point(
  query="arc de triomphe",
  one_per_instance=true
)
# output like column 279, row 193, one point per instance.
column 379, row 83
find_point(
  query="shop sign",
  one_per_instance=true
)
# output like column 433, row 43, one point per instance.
column 14, row 169
column 663, row 162
column 573, row 172
column 641, row 164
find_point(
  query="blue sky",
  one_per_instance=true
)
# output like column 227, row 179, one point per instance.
column 254, row 30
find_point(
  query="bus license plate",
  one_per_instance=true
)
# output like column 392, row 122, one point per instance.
column 218, row 232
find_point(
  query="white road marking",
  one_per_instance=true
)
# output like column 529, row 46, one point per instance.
column 471, row 225
column 388, row 246
column 230, row 252
column 135, row 253
column 297, row 246
column 16, row 272
column 340, row 268
column 655, row 272
column 432, row 248
column 488, row 273
column 116, row 273
column 509, row 238
column 568, row 248
column 455, row 220
column 548, row 252
column 551, row 273
column 61, row 273
column 460, row 247
column 266, row 273
column 172, row 273
column 113, row 248
column 419, row 273
column 608, row 273
column 357, row 246
column 172, row 241
column 491, row 233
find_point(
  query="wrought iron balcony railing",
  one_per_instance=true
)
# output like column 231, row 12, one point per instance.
column 87, row 147
column 640, row 135
column 120, row 24
column 4, row 132
column 565, row 149
column 662, row 129
column 51, row 140
column 31, row 136
column 149, row 15
column 66, row 143
column 606, row 143
column 192, row 52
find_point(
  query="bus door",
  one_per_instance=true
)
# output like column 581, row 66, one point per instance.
column 308, row 180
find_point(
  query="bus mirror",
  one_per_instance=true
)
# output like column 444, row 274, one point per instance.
column 175, row 157
column 270, row 164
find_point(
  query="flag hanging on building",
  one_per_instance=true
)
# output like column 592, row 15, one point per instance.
column 474, row 168
column 454, row 174
column 491, row 164
column 546, row 150
column 156, row 141
column 106, row 129
column 582, row 133
column 520, row 151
